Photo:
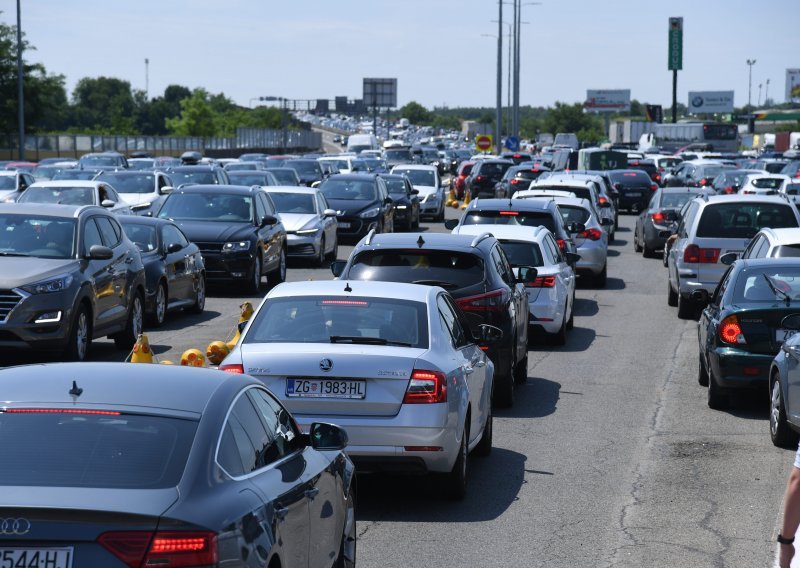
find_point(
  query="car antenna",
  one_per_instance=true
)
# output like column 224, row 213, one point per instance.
column 347, row 287
column 75, row 390
column 420, row 241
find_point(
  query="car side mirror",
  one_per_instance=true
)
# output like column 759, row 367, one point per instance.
column 388, row 201
column 488, row 334
column 617, row 186
column 451, row 224
column 606, row 222
column 526, row 274
column 792, row 322
column 576, row 227
column 729, row 258
column 416, row 192
column 329, row 213
column 327, row 437
column 167, row 189
column 572, row 258
column 174, row 247
column 337, row 267
column 99, row 252
column 108, row 204
column 672, row 216
column 268, row 220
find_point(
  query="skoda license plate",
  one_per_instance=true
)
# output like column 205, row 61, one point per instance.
column 326, row 388
column 36, row 557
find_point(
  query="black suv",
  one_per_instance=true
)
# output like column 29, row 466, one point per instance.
column 406, row 202
column 484, row 176
column 634, row 187
column 236, row 228
column 362, row 203
column 475, row 271
column 308, row 170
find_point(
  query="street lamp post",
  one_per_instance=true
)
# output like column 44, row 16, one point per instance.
column 766, row 94
column 499, row 111
column 750, row 63
column 509, row 117
column 517, row 56
column 760, row 85
column 20, row 90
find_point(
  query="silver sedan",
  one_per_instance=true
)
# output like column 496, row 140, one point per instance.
column 394, row 364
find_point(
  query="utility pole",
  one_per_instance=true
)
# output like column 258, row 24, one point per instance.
column 20, row 90
column 766, row 95
column 146, row 78
column 499, row 111
column 515, row 65
column 750, row 63
column 760, row 85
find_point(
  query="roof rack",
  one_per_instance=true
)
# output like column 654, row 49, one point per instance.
column 369, row 236
column 476, row 241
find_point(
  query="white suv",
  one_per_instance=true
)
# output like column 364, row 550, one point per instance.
column 712, row 227
column 773, row 243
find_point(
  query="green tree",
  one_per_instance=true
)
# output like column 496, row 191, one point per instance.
column 197, row 117
column 104, row 104
column 151, row 116
column 571, row 118
column 415, row 113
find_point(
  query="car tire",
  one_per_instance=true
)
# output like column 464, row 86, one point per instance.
column 702, row 373
column 521, row 370
column 484, row 447
column 647, row 252
column 560, row 337
column 455, row 482
column 601, row 279
column 200, row 297
column 253, row 285
column 159, row 314
column 636, row 246
column 717, row 397
column 416, row 221
column 504, row 389
column 780, row 432
column 347, row 547
column 133, row 326
column 672, row 295
column 80, row 336
column 279, row 274
column 686, row 307
column 320, row 260
column 571, row 320
column 335, row 250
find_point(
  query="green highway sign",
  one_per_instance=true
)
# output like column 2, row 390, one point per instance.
column 675, row 59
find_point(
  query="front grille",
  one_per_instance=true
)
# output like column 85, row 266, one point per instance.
column 301, row 249
column 209, row 247
column 8, row 301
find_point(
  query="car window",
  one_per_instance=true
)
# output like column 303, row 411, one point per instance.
column 269, row 204
column 91, row 235
column 286, row 437
column 450, row 269
column 173, row 235
column 228, row 456
column 687, row 219
column 719, row 292
column 743, row 219
column 250, row 434
column 503, row 268
column 452, row 326
column 261, row 209
column 555, row 252
column 522, row 253
column 767, row 283
column 110, row 237
column 525, row 218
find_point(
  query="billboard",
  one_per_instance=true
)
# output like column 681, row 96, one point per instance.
column 793, row 85
column 701, row 102
column 381, row 93
column 615, row 100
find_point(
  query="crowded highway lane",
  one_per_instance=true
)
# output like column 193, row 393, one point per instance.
column 610, row 456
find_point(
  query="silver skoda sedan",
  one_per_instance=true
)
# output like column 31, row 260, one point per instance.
column 393, row 364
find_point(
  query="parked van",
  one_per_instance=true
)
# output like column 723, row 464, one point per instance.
column 567, row 139
column 358, row 142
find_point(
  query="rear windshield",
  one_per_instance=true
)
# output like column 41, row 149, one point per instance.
column 774, row 167
column 743, row 220
column 522, row 254
column 319, row 319
column 526, row 218
column 86, row 450
column 767, row 183
column 676, row 200
column 578, row 191
column 466, row 169
column 767, row 284
column 630, row 178
column 143, row 183
column 786, row 251
column 573, row 214
column 398, row 155
column 448, row 269
column 494, row 169
column 418, row 177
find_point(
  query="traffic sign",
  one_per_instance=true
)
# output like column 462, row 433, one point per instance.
column 675, row 58
column 483, row 142
column 512, row 143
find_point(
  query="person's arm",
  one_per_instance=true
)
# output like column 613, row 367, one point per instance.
column 791, row 515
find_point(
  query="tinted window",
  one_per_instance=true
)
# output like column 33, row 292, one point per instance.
column 84, row 450
column 630, row 178
column 675, row 200
column 573, row 214
column 126, row 183
column 315, row 319
column 785, row 251
column 526, row 218
column 304, row 166
column 522, row 253
column 396, row 186
column 208, row 207
column 143, row 236
column 448, row 269
column 201, row 177
column 743, row 220
column 91, row 236
column 293, row 202
column 249, row 179
column 451, row 325
column 250, row 435
column 767, row 284
column 352, row 189
column 110, row 236
column 173, row 235
column 417, row 177
column 279, row 423
column 45, row 237
column 228, row 453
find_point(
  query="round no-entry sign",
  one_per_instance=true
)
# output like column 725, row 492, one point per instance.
column 483, row 142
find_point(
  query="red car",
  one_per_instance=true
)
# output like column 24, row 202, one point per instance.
column 459, row 184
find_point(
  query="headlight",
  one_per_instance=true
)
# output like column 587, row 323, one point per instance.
column 370, row 213
column 306, row 231
column 236, row 247
column 57, row 284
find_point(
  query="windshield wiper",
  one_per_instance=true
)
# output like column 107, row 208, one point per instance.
column 366, row 340
column 441, row 283
column 4, row 253
column 776, row 290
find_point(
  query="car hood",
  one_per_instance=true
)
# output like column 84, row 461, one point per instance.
column 18, row 271
column 296, row 221
column 137, row 198
column 351, row 206
column 215, row 232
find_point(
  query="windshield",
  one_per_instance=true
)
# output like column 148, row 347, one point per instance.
column 200, row 177
column 395, row 186
column 141, row 164
column 143, row 183
column 8, row 182
column 768, row 284
column 74, row 174
column 350, row 189
column 418, row 177
column 630, row 178
column 577, row 190
column 317, row 319
column 451, row 270
column 303, row 166
column 293, row 202
column 767, row 183
column 398, row 155
column 100, row 161
column 86, row 450
column 740, row 220
column 525, row 218
column 494, row 169
column 521, row 253
column 45, row 237
column 208, row 207
column 63, row 195
column 248, row 179
column 573, row 214
column 143, row 236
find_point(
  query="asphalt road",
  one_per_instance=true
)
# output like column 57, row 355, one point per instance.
column 610, row 456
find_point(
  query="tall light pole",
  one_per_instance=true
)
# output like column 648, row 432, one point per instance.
column 20, row 90
column 509, row 35
column 759, row 94
column 766, row 94
column 146, row 77
column 499, row 111
column 517, row 55
column 750, row 63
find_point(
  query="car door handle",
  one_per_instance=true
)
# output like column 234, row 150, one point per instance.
column 280, row 514
column 313, row 492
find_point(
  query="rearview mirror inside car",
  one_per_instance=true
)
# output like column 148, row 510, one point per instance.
column 327, row 437
column 451, row 224
column 337, row 267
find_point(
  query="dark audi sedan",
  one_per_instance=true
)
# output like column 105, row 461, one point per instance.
column 362, row 203
column 112, row 464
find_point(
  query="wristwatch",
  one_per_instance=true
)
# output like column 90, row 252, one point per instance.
column 784, row 540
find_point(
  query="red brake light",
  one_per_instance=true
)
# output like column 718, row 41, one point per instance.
column 695, row 254
column 730, row 331
column 729, row 189
column 542, row 282
column 657, row 217
column 657, row 177
column 703, row 182
column 592, row 234
column 602, row 200
column 60, row 411
column 562, row 244
column 493, row 301
column 479, row 178
column 171, row 549
column 426, row 387
column 653, row 186
column 232, row 368
column 514, row 181
column 506, row 213
column 344, row 303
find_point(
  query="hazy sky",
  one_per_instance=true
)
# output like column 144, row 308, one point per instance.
column 308, row 49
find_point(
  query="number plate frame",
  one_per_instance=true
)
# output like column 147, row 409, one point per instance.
column 63, row 556
column 343, row 225
column 782, row 335
column 317, row 387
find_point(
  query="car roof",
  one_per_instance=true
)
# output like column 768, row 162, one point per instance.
column 8, row 173
column 355, row 176
column 172, row 388
column 783, row 236
column 438, row 241
column 348, row 288
column 212, row 188
column 414, row 167
column 715, row 199
column 544, row 193
column 142, row 220
column 47, row 209
column 505, row 232
column 291, row 189
column 769, row 262
column 68, row 183
column 532, row 204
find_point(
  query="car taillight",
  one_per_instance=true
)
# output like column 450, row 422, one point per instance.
column 602, row 200
column 562, row 244
column 695, row 254
column 730, row 331
column 426, row 387
column 514, row 181
column 703, row 182
column 657, row 177
column 164, row 548
column 542, row 282
column 591, row 234
column 232, row 368
column 480, row 178
column 493, row 301
column 653, row 187
column 657, row 217
column 729, row 190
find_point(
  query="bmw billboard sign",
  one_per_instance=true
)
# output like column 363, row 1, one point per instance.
column 710, row 102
